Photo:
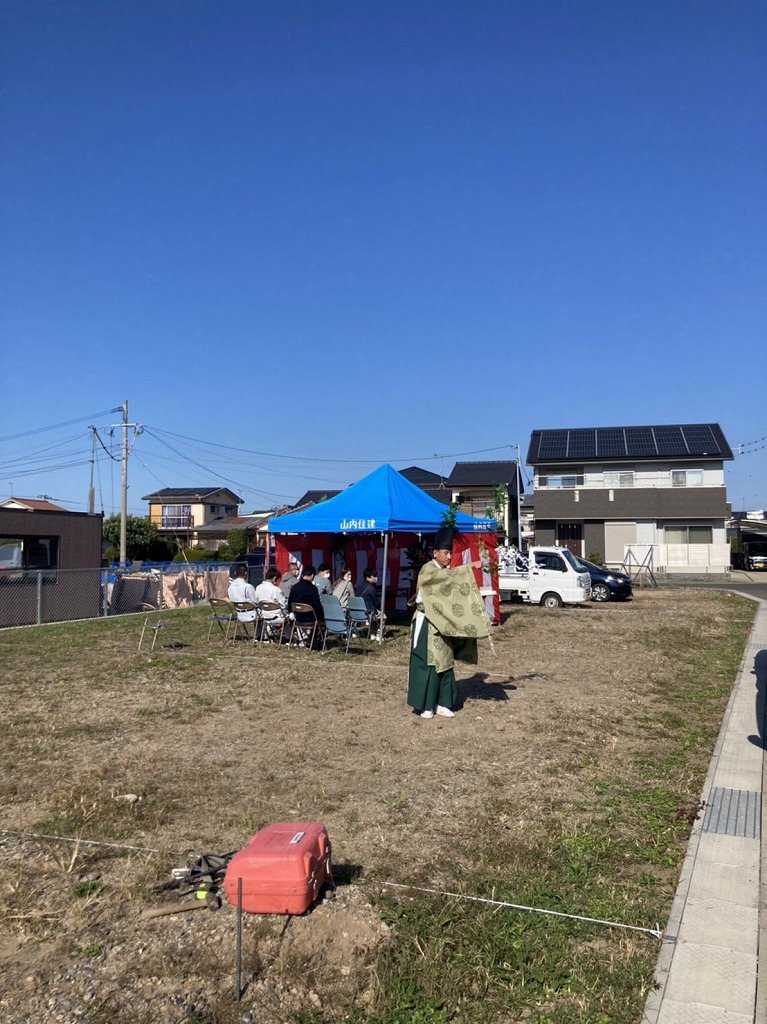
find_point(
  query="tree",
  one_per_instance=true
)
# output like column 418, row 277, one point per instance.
column 450, row 515
column 237, row 541
column 140, row 535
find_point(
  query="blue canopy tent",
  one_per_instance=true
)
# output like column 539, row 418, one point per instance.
column 382, row 502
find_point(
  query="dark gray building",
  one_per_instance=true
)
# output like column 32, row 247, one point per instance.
column 651, row 494
column 38, row 552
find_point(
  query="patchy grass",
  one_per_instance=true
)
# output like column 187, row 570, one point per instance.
column 567, row 783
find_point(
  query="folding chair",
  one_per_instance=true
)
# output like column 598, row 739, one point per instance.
column 270, row 628
column 335, row 621
column 358, row 616
column 152, row 622
column 242, row 624
column 222, row 615
column 304, row 633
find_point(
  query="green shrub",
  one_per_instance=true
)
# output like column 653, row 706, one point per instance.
column 196, row 554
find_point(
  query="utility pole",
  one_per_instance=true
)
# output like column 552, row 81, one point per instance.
column 519, row 505
column 91, row 491
column 124, row 460
column 124, row 488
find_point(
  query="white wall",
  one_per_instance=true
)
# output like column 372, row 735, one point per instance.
column 645, row 474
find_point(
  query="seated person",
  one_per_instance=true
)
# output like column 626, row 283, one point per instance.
column 322, row 579
column 240, row 590
column 370, row 596
column 343, row 588
column 305, row 592
column 270, row 591
column 289, row 578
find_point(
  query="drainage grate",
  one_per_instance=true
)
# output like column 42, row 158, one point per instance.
column 756, row 647
column 733, row 812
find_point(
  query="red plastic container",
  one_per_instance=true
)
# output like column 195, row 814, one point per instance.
column 283, row 868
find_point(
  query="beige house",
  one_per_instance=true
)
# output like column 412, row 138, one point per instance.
column 181, row 511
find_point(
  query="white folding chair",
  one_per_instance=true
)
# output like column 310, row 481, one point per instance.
column 222, row 615
column 153, row 622
column 243, row 624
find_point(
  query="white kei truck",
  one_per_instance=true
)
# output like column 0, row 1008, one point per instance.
column 548, row 576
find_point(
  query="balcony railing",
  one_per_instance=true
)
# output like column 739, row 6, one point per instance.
column 176, row 523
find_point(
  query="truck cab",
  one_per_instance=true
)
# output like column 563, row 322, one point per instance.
column 550, row 576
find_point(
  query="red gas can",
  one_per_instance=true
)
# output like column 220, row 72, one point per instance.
column 282, row 868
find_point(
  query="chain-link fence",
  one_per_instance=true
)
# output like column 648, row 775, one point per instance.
column 58, row 595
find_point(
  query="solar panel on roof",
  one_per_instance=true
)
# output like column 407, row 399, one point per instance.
column 610, row 442
column 700, row 440
column 582, row 444
column 553, row 444
column 670, row 441
column 640, row 441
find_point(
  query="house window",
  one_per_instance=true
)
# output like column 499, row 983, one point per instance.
column 572, row 478
column 619, row 478
column 214, row 509
column 686, row 477
column 176, row 517
column 20, row 553
column 689, row 534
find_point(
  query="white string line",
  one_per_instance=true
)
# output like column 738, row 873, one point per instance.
column 86, row 842
column 656, row 932
column 536, row 910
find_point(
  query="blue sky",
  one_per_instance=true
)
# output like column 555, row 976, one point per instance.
column 302, row 239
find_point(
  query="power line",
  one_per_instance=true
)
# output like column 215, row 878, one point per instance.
column 753, row 446
column 220, row 476
column 57, row 426
column 305, row 458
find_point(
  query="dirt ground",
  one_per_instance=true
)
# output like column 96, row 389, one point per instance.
column 196, row 748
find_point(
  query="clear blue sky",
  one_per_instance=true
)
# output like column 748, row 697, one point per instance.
column 361, row 232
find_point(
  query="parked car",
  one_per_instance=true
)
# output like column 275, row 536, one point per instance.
column 756, row 562
column 607, row 584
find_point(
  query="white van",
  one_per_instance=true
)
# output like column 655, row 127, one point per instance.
column 549, row 576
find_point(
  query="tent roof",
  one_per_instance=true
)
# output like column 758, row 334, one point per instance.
column 382, row 501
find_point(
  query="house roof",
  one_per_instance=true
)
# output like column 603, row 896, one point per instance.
column 314, row 498
column 189, row 494
column 422, row 477
column 684, row 441
column 32, row 505
column 224, row 525
column 482, row 474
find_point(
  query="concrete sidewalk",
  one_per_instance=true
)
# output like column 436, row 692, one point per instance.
column 707, row 971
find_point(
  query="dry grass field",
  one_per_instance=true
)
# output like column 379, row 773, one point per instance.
column 567, row 782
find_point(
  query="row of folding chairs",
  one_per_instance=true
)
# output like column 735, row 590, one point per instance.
column 303, row 630
column 355, row 621
column 224, row 615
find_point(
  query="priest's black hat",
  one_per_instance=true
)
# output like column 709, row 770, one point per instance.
column 443, row 539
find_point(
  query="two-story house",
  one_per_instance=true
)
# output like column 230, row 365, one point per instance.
column 180, row 511
column 478, row 486
column 647, row 494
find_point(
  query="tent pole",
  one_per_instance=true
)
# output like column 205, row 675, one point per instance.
column 383, row 589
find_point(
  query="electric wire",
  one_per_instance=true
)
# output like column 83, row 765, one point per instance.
column 57, row 426
column 352, row 462
column 207, row 469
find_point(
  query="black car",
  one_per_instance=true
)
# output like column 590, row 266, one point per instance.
column 607, row 584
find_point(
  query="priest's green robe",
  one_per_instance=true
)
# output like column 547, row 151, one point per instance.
column 450, row 617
